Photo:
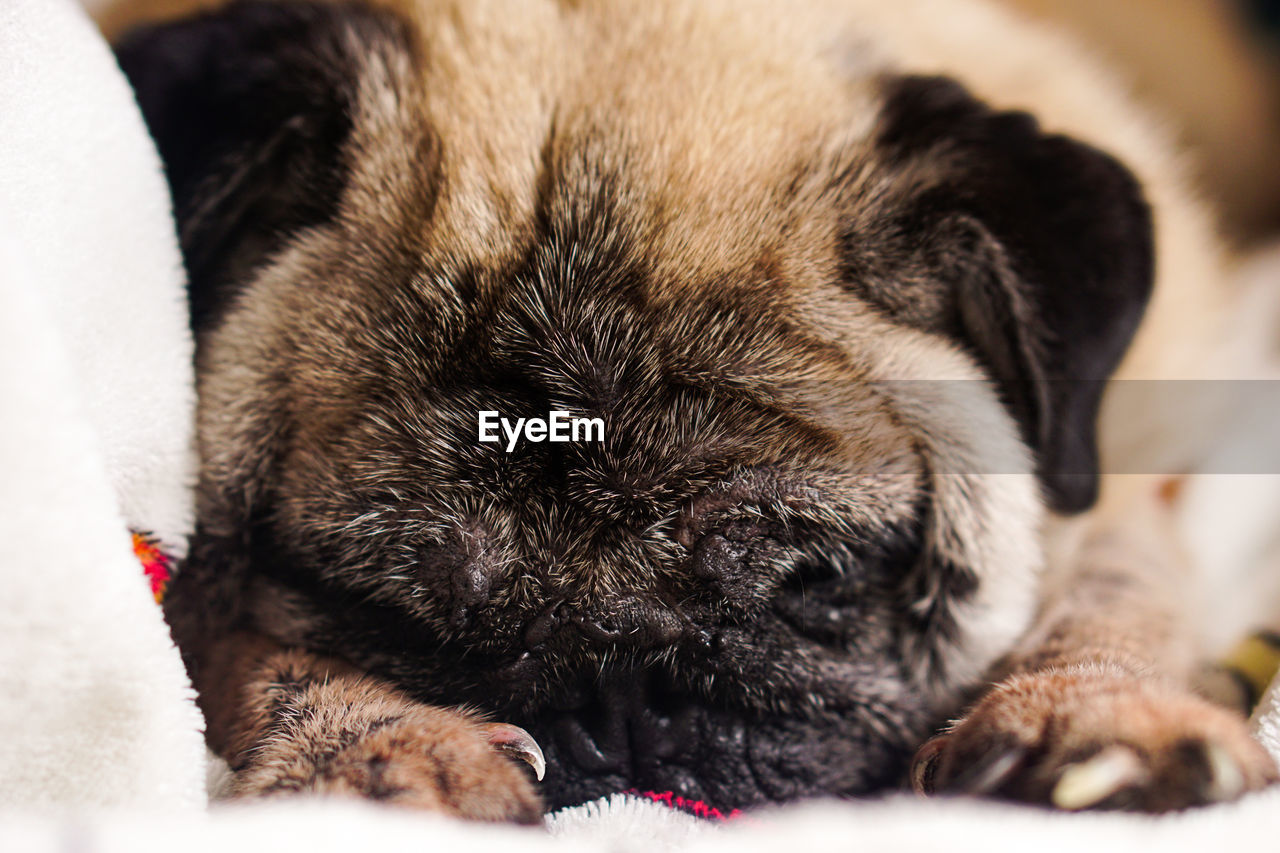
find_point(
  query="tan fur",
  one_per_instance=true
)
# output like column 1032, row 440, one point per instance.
column 743, row 94
column 291, row 722
column 1019, row 738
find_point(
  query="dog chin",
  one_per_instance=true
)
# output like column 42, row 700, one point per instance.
column 631, row 736
column 723, row 760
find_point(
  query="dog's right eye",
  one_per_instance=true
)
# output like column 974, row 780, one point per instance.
column 828, row 597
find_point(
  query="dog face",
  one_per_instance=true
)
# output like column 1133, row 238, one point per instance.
column 843, row 327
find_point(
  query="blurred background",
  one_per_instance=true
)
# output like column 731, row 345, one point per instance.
column 1212, row 69
column 1209, row 67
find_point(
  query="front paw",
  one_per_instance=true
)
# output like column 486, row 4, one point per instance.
column 357, row 737
column 1086, row 739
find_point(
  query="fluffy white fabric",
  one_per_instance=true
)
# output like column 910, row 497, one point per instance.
column 95, row 429
column 88, row 206
column 901, row 825
column 96, row 717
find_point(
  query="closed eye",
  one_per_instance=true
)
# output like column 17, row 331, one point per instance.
column 835, row 589
column 820, row 597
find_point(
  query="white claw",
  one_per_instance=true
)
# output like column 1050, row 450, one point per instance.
column 1090, row 782
column 519, row 743
column 1228, row 779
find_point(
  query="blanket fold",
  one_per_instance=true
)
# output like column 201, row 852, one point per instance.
column 95, row 431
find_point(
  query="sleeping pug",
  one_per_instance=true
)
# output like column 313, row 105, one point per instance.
column 840, row 283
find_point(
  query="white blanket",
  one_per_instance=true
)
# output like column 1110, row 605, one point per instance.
column 95, row 429
column 100, row 747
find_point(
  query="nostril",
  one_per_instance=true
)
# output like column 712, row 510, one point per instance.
column 603, row 630
column 545, row 625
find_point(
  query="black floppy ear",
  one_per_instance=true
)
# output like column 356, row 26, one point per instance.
column 1038, row 253
column 250, row 107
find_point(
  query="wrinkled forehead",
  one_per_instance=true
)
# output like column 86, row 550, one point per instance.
column 684, row 392
column 647, row 241
column 723, row 156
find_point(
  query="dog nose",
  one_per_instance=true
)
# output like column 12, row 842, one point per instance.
column 629, row 620
column 637, row 621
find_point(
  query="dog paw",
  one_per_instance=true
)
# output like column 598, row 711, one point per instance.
column 1089, row 740
column 356, row 737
